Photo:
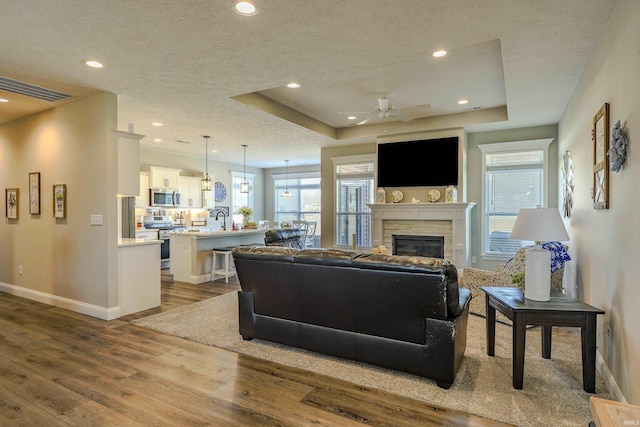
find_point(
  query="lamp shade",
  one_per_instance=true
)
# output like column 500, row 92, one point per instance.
column 539, row 225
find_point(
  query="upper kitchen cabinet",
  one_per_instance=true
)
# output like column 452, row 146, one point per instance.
column 164, row 177
column 128, row 163
column 207, row 199
column 190, row 191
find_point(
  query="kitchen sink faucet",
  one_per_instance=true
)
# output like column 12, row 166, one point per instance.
column 224, row 219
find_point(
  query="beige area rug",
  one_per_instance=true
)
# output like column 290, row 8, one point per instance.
column 552, row 393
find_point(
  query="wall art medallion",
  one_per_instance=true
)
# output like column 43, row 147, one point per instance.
column 618, row 151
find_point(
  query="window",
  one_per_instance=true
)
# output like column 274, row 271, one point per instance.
column 354, row 190
column 515, row 176
column 240, row 199
column 305, row 203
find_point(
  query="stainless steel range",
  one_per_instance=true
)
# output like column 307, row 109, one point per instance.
column 164, row 225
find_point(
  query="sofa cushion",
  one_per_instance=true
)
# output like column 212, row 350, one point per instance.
column 324, row 257
column 417, row 264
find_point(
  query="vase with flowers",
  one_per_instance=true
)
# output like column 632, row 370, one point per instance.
column 246, row 213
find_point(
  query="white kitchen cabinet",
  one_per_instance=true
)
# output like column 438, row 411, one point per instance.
column 190, row 192
column 142, row 201
column 161, row 177
column 207, row 199
column 128, row 163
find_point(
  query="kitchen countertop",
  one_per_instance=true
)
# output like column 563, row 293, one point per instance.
column 217, row 233
column 125, row 242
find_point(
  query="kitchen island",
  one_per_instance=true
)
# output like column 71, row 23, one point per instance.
column 191, row 251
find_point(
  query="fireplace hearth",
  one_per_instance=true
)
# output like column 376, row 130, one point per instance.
column 427, row 246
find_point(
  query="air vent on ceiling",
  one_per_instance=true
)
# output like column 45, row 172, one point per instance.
column 33, row 91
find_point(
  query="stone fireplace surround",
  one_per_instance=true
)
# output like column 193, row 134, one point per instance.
column 450, row 220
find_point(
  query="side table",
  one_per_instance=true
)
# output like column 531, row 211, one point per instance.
column 561, row 310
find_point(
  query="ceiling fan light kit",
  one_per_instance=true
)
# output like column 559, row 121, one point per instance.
column 386, row 110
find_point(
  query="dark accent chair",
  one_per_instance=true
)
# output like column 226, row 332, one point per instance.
column 286, row 237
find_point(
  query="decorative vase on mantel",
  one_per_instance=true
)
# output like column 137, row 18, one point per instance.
column 451, row 194
column 245, row 220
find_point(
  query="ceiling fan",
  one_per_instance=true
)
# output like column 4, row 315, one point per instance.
column 386, row 110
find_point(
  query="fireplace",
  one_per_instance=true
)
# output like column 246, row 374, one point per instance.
column 427, row 246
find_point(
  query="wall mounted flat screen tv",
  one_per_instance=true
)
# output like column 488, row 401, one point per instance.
column 428, row 163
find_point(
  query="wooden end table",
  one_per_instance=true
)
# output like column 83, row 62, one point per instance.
column 561, row 310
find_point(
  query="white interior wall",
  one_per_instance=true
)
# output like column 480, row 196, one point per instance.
column 66, row 258
column 605, row 243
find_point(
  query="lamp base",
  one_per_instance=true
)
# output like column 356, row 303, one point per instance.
column 537, row 274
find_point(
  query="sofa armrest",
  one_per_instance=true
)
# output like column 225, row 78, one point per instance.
column 464, row 298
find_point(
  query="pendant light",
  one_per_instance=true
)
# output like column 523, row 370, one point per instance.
column 244, row 185
column 206, row 179
column 286, row 193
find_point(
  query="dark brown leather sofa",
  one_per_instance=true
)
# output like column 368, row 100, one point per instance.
column 398, row 312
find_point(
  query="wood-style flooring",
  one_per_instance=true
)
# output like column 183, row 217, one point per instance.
column 61, row 368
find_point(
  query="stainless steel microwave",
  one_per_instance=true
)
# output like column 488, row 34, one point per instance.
column 167, row 197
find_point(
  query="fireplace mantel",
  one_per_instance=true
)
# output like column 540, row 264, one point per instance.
column 457, row 213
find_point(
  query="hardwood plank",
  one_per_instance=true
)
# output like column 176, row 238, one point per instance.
column 132, row 404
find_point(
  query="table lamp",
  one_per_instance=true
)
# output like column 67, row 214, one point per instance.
column 540, row 225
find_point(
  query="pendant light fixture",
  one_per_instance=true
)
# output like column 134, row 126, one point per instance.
column 286, row 193
column 206, row 179
column 244, row 185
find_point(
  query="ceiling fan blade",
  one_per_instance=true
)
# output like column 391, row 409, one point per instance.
column 415, row 107
column 402, row 117
column 365, row 121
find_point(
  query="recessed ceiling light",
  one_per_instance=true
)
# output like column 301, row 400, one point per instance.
column 293, row 85
column 214, row 151
column 157, row 140
column 351, row 118
column 245, row 7
column 4, row 100
column 439, row 53
column 156, row 124
column 463, row 101
column 93, row 64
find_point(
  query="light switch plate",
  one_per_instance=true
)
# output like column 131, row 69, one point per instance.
column 96, row 219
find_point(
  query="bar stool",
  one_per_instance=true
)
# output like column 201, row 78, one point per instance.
column 228, row 268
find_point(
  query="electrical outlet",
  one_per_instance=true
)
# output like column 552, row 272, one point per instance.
column 473, row 260
column 20, row 270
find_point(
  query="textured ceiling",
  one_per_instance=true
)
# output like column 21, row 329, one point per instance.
column 199, row 68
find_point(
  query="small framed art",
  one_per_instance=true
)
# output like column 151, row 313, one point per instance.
column 60, row 201
column 600, row 161
column 11, row 199
column 34, row 193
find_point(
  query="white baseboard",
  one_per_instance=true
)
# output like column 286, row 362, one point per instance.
column 62, row 302
column 609, row 381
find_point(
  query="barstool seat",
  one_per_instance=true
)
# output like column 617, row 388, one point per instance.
column 227, row 268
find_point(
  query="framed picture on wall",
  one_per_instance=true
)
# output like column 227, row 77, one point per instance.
column 34, row 193
column 60, row 201
column 600, row 161
column 11, row 200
